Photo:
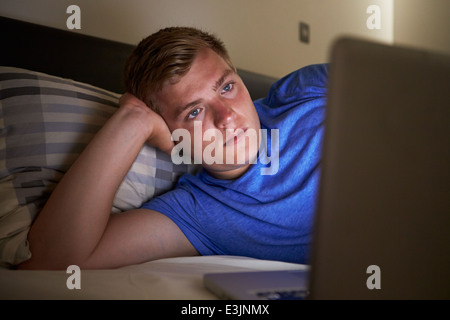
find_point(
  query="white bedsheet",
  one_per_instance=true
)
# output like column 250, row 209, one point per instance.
column 168, row 279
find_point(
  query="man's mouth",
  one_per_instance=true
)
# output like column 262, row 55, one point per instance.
column 234, row 136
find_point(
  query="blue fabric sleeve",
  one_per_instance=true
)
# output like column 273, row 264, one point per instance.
column 179, row 205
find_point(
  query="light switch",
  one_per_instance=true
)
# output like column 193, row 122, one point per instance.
column 304, row 32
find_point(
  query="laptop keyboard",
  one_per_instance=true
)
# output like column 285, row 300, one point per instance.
column 283, row 295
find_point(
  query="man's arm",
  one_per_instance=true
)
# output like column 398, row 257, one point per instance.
column 76, row 227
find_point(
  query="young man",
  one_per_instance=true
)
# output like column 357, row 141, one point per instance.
column 182, row 78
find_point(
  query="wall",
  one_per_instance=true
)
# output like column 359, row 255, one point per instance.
column 423, row 24
column 261, row 35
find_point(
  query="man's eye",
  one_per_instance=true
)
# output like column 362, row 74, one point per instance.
column 194, row 113
column 227, row 88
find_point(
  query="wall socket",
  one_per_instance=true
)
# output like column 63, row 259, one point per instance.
column 304, row 32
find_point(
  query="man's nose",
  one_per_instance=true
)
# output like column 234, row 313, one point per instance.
column 223, row 115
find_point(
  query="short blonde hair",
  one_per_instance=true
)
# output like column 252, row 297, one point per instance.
column 166, row 55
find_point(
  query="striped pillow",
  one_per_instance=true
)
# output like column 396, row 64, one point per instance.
column 45, row 122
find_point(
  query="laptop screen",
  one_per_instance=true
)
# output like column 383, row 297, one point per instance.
column 382, row 229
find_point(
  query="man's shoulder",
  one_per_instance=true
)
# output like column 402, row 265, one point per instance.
column 305, row 83
column 307, row 76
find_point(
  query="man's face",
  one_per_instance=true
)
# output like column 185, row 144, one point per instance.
column 212, row 94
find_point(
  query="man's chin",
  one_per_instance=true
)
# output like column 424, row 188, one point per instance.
column 227, row 171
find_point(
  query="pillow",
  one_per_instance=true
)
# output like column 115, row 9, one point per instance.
column 45, row 123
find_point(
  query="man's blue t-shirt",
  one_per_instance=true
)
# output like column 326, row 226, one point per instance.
column 256, row 215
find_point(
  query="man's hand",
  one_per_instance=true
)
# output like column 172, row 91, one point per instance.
column 159, row 134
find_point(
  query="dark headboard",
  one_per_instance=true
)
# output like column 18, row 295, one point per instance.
column 63, row 53
column 80, row 57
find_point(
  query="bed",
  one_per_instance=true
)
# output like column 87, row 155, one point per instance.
column 57, row 88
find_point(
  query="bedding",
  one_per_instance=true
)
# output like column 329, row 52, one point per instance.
column 165, row 279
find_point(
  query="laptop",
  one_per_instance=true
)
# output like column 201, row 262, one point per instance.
column 382, row 226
